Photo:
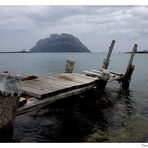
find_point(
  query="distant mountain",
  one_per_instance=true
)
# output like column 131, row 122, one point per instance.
column 60, row 43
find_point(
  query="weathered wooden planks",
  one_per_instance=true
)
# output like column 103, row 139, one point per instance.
column 95, row 73
column 35, row 103
column 71, row 78
column 113, row 72
column 50, row 85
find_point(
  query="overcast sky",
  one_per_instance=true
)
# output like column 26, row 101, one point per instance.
column 22, row 26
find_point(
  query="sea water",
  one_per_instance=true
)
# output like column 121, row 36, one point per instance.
column 114, row 116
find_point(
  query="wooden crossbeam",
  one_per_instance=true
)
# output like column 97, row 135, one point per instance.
column 113, row 72
column 93, row 74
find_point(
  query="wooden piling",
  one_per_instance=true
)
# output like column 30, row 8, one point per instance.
column 132, row 57
column 107, row 60
column 105, row 75
column 69, row 66
column 129, row 71
column 9, row 99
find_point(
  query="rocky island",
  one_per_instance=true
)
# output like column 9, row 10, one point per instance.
column 60, row 43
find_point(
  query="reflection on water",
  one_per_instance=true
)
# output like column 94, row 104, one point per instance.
column 90, row 117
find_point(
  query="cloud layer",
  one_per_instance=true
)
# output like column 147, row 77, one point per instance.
column 22, row 26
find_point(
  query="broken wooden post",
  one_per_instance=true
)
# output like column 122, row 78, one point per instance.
column 9, row 100
column 105, row 75
column 69, row 66
column 129, row 71
column 107, row 60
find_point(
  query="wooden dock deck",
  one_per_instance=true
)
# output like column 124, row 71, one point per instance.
column 49, row 85
column 47, row 89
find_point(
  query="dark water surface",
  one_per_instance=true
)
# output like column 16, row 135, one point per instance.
column 114, row 116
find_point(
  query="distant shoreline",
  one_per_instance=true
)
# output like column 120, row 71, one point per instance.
column 2, row 52
column 15, row 52
column 140, row 52
column 39, row 52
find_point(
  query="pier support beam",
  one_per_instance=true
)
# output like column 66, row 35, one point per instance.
column 9, row 100
column 107, row 60
column 69, row 66
column 105, row 75
column 129, row 71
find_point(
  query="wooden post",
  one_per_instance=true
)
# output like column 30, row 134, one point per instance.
column 132, row 57
column 69, row 66
column 129, row 71
column 101, row 84
column 9, row 100
column 107, row 60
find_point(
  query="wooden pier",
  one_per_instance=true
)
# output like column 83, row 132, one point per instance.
column 44, row 90
column 36, row 92
column 47, row 89
column 123, row 78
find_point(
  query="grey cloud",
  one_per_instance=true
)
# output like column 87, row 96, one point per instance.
column 24, row 25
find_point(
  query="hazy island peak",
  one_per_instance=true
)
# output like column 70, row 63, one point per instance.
column 63, row 42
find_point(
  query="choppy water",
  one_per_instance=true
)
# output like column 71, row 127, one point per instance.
column 114, row 116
